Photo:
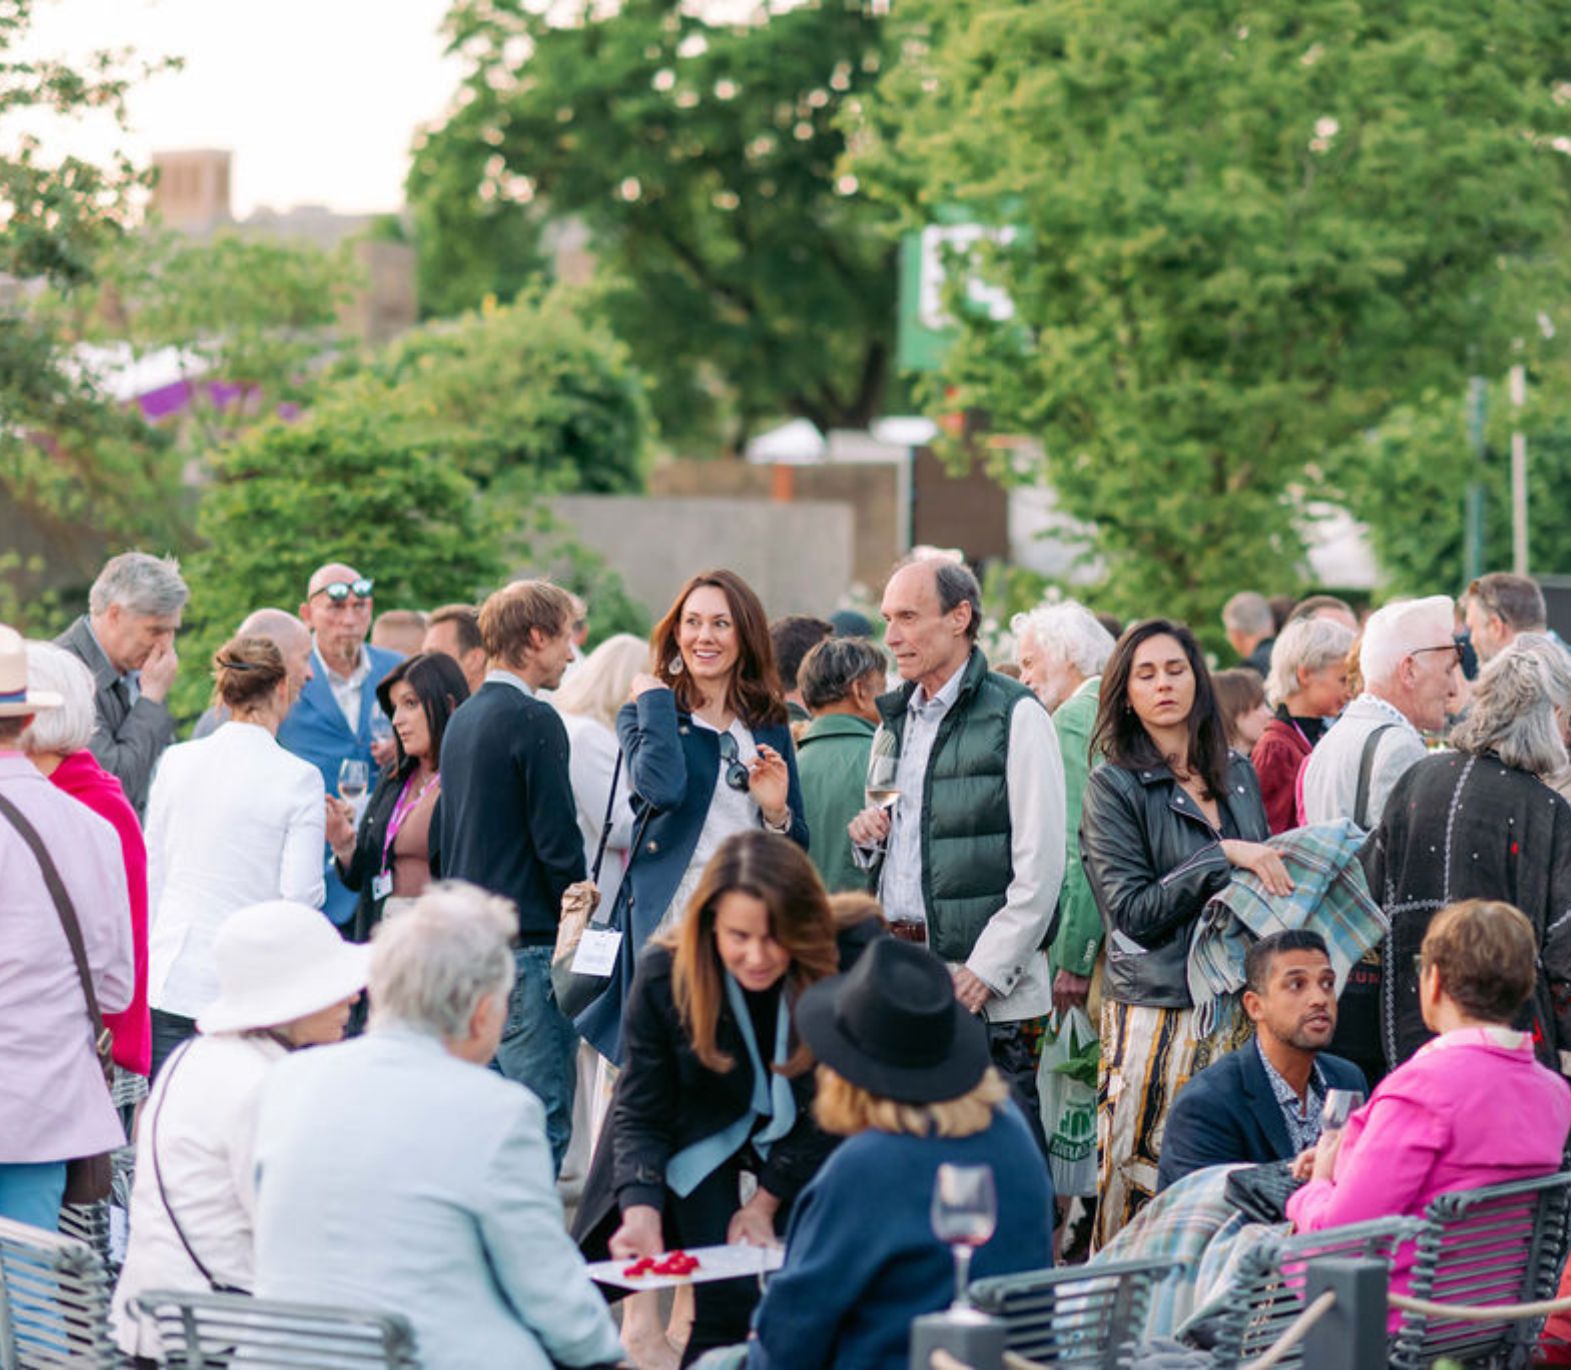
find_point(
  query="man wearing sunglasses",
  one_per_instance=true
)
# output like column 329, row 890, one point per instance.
column 331, row 720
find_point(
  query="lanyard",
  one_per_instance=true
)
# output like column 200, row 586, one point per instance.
column 401, row 811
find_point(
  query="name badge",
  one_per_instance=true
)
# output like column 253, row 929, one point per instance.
column 382, row 885
column 597, row 951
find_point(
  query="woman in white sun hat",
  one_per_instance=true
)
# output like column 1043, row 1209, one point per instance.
column 286, row 981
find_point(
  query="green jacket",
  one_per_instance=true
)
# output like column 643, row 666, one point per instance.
column 1079, row 923
column 967, row 856
column 831, row 758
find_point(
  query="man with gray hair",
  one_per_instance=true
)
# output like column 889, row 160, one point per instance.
column 1251, row 629
column 127, row 640
column 397, row 1173
column 1499, row 606
column 969, row 857
column 293, row 640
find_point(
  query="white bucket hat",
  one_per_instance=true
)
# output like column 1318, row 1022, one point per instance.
column 15, row 698
column 278, row 961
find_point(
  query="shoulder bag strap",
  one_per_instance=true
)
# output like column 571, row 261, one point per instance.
column 1366, row 766
column 168, row 1073
column 605, row 828
column 67, row 915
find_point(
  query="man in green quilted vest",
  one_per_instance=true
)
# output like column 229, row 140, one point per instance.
column 969, row 855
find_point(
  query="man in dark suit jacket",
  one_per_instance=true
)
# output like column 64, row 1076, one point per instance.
column 1262, row 1102
column 507, row 821
column 127, row 640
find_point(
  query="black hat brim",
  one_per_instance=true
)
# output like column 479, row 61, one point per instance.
column 959, row 1072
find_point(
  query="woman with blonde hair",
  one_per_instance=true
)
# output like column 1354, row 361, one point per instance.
column 715, row 1083
column 904, row 1074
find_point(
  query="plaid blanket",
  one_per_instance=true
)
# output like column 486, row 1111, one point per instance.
column 1330, row 896
column 1191, row 1221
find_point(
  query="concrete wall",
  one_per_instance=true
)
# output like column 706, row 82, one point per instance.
column 870, row 490
column 796, row 556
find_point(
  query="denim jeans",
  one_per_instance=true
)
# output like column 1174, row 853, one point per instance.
column 31, row 1193
column 538, row 1046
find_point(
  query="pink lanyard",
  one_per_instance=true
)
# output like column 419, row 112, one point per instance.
column 401, row 811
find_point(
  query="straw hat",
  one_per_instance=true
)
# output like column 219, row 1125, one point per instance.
column 278, row 961
column 15, row 698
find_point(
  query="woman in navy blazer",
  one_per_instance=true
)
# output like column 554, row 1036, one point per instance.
column 708, row 750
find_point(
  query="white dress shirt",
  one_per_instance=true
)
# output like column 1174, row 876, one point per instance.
column 1008, row 955
column 232, row 820
column 206, row 1145
column 346, row 688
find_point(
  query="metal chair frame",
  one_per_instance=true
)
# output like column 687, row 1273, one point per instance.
column 54, row 1302
column 217, row 1331
column 1082, row 1315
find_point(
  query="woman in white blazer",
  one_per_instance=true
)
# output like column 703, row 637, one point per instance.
column 233, row 820
column 287, row 980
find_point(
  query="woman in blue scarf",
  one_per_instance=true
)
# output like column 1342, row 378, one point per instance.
column 715, row 1084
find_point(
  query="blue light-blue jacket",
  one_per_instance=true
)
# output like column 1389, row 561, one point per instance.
column 315, row 730
column 674, row 768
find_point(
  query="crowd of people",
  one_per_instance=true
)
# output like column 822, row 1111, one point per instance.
column 860, row 901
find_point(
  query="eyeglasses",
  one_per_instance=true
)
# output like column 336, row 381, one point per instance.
column 1455, row 648
column 1418, row 965
column 735, row 771
column 340, row 590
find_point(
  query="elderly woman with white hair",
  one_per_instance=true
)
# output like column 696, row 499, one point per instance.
column 286, row 981
column 399, row 1174
column 1306, row 689
column 56, row 742
column 1481, row 823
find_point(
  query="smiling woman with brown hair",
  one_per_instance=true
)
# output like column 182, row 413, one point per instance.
column 708, row 754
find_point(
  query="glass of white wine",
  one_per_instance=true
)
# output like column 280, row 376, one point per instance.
column 882, row 764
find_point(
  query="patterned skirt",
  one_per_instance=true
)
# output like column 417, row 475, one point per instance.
column 1148, row 1055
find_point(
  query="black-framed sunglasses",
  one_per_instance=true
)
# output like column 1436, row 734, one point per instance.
column 730, row 754
column 340, row 590
column 1455, row 648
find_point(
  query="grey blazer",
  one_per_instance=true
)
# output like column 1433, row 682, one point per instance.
column 129, row 738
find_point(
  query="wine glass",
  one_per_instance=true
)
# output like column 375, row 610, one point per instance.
column 353, row 777
column 965, row 1212
column 883, row 761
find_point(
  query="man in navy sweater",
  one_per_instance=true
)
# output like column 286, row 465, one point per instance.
column 506, row 821
column 1262, row 1102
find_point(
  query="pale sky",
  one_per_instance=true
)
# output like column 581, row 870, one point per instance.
column 317, row 99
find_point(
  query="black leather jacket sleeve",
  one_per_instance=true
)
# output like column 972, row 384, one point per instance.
column 1136, row 899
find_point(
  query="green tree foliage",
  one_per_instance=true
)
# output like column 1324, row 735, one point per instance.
column 542, row 396
column 68, row 455
column 1245, row 233
column 746, row 273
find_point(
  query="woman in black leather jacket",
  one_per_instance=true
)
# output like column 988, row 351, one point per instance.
column 1165, row 821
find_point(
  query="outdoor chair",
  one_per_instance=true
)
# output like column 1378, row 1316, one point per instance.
column 216, row 1331
column 1268, row 1293
column 89, row 1223
column 1503, row 1244
column 1076, row 1315
column 54, row 1302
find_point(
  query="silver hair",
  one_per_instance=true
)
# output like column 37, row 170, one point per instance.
column 1514, row 707
column 1309, row 644
column 141, row 583
column 1066, row 631
column 1248, row 612
column 430, row 967
column 70, row 727
column 1398, row 629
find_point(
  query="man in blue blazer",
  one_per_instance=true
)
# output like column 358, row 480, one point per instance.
column 1262, row 1102
column 331, row 720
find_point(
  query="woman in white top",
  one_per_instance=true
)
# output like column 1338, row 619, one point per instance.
column 233, row 819
column 287, row 980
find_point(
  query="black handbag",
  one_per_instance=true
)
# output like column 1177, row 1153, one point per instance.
column 1261, row 1192
column 575, row 991
column 88, row 1179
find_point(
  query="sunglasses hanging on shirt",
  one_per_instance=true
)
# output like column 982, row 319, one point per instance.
column 730, row 753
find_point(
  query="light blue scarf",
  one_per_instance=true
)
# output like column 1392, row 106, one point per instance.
column 772, row 1099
